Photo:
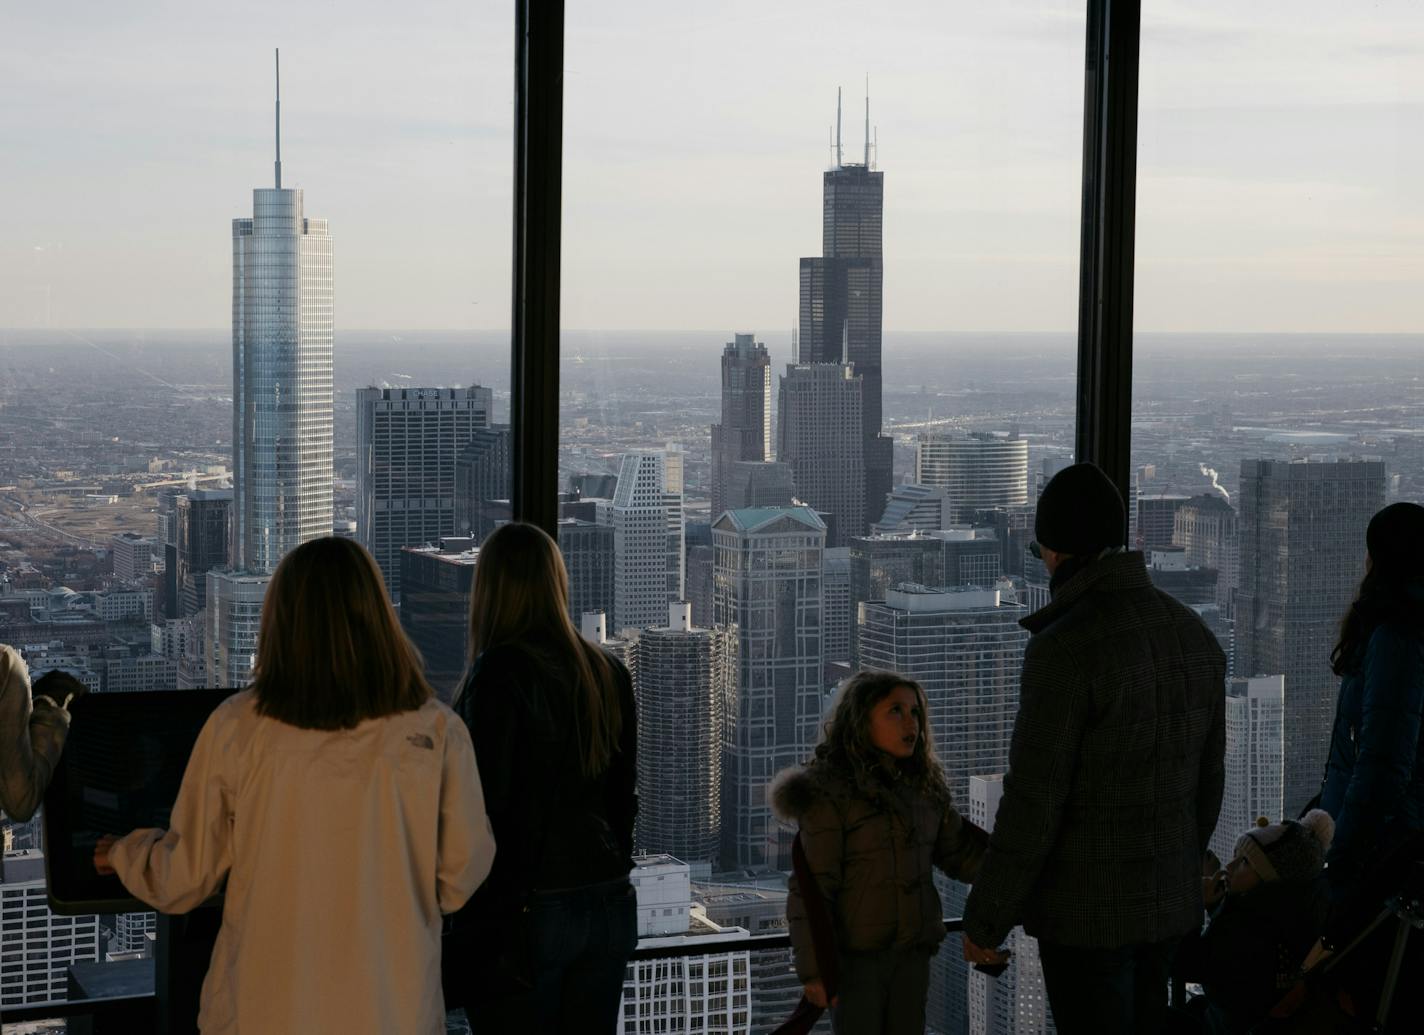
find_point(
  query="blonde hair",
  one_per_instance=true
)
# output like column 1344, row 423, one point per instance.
column 330, row 652
column 845, row 739
column 520, row 597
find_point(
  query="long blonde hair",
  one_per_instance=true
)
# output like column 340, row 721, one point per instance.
column 520, row 597
column 330, row 652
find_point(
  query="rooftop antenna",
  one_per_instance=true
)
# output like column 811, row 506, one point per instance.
column 278, row 58
column 845, row 342
column 838, row 127
column 867, row 122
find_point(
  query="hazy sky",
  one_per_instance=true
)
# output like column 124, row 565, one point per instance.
column 1279, row 170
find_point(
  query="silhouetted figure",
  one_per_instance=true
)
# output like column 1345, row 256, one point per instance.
column 341, row 802
column 544, row 944
column 1115, row 773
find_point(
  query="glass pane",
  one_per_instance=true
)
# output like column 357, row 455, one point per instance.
column 765, row 337
column 1277, row 346
column 214, row 346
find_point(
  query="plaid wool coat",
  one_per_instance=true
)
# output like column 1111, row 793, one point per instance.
column 1115, row 770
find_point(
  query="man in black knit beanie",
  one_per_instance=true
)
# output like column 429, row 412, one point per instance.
column 1115, row 773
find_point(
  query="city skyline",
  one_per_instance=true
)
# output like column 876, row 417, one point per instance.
column 983, row 214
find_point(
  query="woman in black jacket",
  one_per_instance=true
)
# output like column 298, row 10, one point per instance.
column 544, row 943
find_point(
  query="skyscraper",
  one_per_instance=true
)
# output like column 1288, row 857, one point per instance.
column 1255, row 764
column 435, row 611
column 588, row 555
column 1302, row 533
column 1205, row 526
column 977, row 470
column 230, row 626
column 745, row 431
column 767, row 572
column 1015, row 1002
column 819, row 439
column 407, row 443
column 283, row 334
column 482, row 482
column 841, row 308
column 647, row 538
column 681, row 691
column 203, row 530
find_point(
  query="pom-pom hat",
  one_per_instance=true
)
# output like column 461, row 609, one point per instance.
column 1290, row 850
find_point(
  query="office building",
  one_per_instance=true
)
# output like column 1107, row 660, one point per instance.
column 648, row 560
column 705, row 993
column 435, row 608
column 202, row 523
column 838, row 615
column 588, row 555
column 232, row 620
column 482, row 482
column 768, row 571
column 819, row 438
column 1255, row 759
column 744, row 434
column 1157, row 519
column 977, row 471
column 1175, row 575
column 681, row 689
column 914, row 508
column 1302, row 533
column 751, row 484
column 133, row 556
column 841, row 311
column 1205, row 526
column 407, row 444
column 1015, row 1002
column 39, row 945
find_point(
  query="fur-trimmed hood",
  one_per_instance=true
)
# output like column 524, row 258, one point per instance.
column 794, row 791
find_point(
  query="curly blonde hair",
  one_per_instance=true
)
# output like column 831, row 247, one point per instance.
column 845, row 739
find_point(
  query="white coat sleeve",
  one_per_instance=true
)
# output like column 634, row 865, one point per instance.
column 466, row 850
column 176, row 870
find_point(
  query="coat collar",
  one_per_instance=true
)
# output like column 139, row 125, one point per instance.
column 1116, row 572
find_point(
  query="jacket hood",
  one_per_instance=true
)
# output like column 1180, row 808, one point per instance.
column 793, row 792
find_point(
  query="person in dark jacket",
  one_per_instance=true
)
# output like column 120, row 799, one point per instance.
column 1115, row 773
column 543, row 944
column 1265, row 909
column 1374, row 780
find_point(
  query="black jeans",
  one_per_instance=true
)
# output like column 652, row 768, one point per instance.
column 882, row 993
column 1108, row 991
column 573, row 956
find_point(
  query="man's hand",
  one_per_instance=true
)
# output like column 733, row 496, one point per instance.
column 816, row 994
column 977, row 954
column 101, row 855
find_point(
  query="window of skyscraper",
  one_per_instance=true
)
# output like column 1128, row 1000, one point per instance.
column 819, row 299
column 1276, row 346
column 219, row 339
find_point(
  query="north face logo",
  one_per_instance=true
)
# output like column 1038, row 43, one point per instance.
column 421, row 740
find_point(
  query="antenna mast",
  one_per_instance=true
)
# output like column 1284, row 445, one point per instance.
column 845, row 342
column 277, row 55
column 838, row 127
column 867, row 122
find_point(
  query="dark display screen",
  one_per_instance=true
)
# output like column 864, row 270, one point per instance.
column 122, row 765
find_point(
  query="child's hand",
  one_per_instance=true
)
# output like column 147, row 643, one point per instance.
column 976, row 954
column 816, row 994
column 101, row 855
column 1213, row 888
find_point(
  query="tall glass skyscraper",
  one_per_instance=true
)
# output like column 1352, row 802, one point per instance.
column 283, row 334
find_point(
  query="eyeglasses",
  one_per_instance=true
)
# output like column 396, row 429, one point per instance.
column 1035, row 549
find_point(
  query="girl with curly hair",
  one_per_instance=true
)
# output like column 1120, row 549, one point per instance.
column 875, row 818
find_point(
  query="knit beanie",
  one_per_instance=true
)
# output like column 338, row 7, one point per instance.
column 1395, row 539
column 1290, row 850
column 1080, row 512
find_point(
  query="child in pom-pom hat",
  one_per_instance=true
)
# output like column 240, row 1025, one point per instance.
column 1265, row 910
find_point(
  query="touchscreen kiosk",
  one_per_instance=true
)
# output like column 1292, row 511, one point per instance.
column 122, row 765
